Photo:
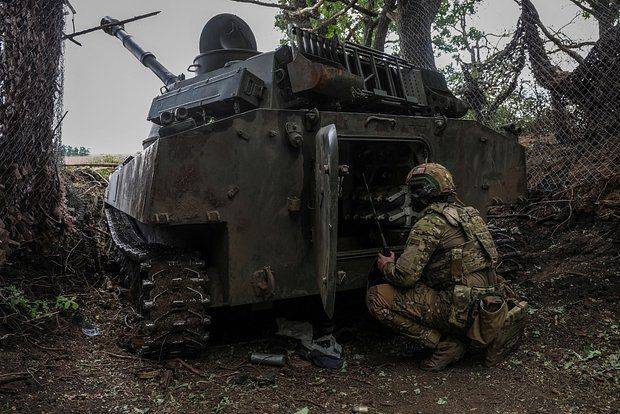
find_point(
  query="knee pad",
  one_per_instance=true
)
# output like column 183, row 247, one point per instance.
column 380, row 301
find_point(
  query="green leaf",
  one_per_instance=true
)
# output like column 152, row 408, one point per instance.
column 442, row 400
column 304, row 410
column 592, row 353
column 222, row 405
column 64, row 303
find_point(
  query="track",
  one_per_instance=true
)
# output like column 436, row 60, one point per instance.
column 169, row 287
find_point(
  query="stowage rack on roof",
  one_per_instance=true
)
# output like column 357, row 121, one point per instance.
column 385, row 77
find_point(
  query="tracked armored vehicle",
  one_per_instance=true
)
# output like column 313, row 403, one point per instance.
column 250, row 186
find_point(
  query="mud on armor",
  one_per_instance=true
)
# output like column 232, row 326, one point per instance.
column 173, row 301
column 169, row 287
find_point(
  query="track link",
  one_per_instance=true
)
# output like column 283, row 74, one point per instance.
column 173, row 304
column 170, row 291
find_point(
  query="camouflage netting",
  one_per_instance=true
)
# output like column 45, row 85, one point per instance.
column 32, row 209
column 562, row 92
column 572, row 90
column 571, row 125
column 578, row 135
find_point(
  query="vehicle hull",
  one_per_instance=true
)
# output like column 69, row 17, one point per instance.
column 241, row 191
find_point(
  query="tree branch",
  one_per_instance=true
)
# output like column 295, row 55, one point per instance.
column 577, row 45
column 558, row 43
column 357, row 7
column 308, row 10
column 267, row 4
column 572, row 46
column 352, row 32
column 463, row 31
column 582, row 7
column 369, row 25
column 545, row 73
column 13, row 377
column 575, row 17
column 335, row 17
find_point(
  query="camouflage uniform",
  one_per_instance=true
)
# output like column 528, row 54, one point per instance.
column 443, row 288
column 448, row 252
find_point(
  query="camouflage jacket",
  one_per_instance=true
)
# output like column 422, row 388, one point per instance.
column 449, row 245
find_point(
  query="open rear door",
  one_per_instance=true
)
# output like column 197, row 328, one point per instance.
column 326, row 214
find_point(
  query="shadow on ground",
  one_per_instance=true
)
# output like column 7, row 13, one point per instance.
column 568, row 362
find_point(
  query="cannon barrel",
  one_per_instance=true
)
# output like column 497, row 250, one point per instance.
column 148, row 59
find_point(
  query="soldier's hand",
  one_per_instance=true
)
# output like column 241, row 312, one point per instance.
column 382, row 260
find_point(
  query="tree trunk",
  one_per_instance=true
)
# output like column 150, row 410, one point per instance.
column 369, row 26
column 415, row 20
column 383, row 26
column 545, row 73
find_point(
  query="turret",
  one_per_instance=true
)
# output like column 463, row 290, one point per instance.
column 310, row 72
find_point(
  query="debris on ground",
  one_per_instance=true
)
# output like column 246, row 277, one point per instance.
column 276, row 360
column 295, row 329
column 324, row 352
column 568, row 362
column 91, row 330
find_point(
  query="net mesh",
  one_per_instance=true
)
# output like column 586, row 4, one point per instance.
column 564, row 94
column 570, row 113
column 32, row 210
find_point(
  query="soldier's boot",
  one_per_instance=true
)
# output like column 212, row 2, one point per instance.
column 509, row 337
column 447, row 352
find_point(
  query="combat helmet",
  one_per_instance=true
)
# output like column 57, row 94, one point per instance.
column 430, row 180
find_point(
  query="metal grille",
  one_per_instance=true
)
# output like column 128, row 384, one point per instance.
column 382, row 74
column 32, row 209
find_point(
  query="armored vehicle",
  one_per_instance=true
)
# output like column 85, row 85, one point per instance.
column 250, row 187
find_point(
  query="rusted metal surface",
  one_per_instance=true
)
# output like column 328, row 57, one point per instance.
column 187, row 180
column 130, row 184
column 325, row 229
column 264, row 283
column 248, row 188
column 294, row 204
column 307, row 75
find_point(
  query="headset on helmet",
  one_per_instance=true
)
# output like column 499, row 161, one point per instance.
column 431, row 180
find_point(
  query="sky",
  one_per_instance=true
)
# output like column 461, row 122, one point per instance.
column 108, row 92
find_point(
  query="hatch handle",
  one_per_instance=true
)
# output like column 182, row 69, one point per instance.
column 372, row 118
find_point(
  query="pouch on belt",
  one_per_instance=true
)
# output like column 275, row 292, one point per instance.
column 488, row 317
column 461, row 304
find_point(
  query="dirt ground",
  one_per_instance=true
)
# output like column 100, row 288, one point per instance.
column 569, row 361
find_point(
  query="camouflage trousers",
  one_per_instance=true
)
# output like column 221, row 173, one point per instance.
column 420, row 313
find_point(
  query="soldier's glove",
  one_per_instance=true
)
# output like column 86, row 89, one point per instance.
column 382, row 261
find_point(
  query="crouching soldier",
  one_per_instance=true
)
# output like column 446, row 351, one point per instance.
column 443, row 291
